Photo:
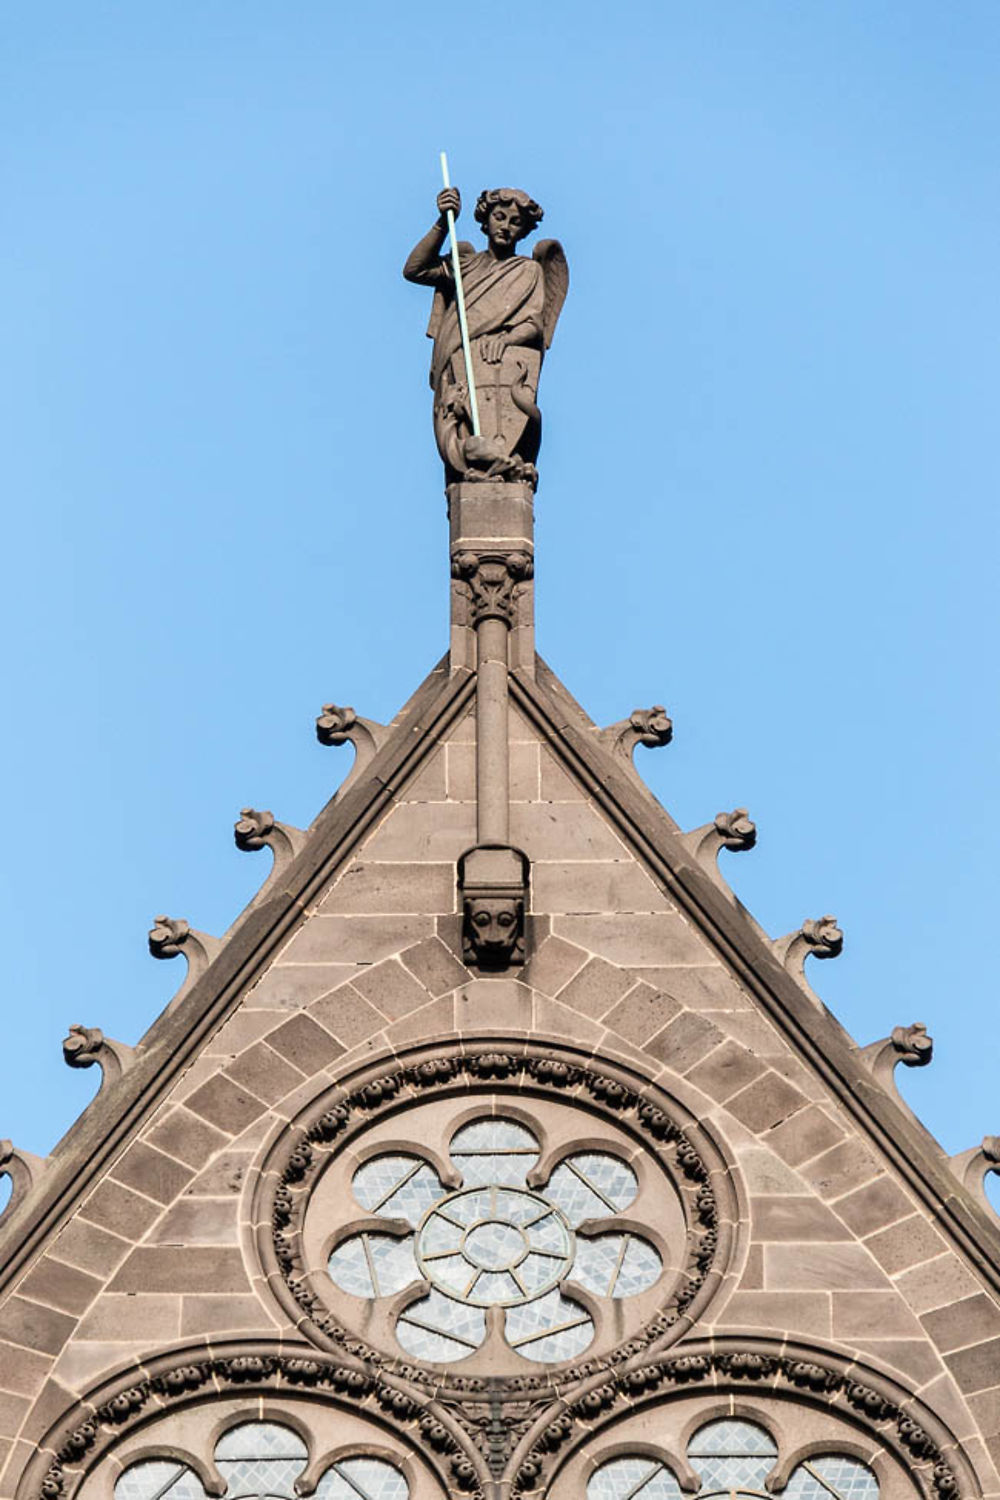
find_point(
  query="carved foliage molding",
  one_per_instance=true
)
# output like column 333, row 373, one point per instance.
column 297, row 1162
column 87, row 1433
column 922, row 1444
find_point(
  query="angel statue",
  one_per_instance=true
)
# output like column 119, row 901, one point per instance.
column 512, row 305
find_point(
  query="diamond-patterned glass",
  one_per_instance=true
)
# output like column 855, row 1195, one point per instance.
column 156, row 1479
column 397, row 1187
column 591, row 1185
column 640, row 1267
column 362, row 1479
column 842, row 1476
column 621, row 1478
column 732, row 1455
column 730, row 1437
column 494, row 1151
column 373, row 1265
column 437, row 1327
column 550, row 1328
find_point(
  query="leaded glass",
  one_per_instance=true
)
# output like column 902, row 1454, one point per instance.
column 729, row 1455
column 835, row 1474
column 369, row 1478
column 438, row 1327
column 397, row 1187
column 493, row 1245
column 494, row 1151
column 158, row 1479
column 616, row 1265
column 591, row 1185
column 549, row 1328
column 624, row 1478
column 261, row 1461
column 373, row 1265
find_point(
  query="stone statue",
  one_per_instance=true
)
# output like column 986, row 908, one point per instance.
column 512, row 306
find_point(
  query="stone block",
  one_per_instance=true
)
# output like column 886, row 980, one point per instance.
column 637, row 939
column 225, row 1104
column 431, row 832
column 555, row 1019
column 684, row 1041
column 503, row 1003
column 391, row 989
column 914, row 1359
column 429, row 784
column 806, row 1135
column 187, row 1137
column 726, row 1071
column 705, row 986
column 242, row 1029
column 581, row 886
column 222, row 1314
column 841, row 1169
column 124, row 1317
column 392, row 888
column 429, row 1023
column 294, row 986
column 905, row 1244
column 32, row 1326
column 151, row 1172
column 821, row 1268
column 788, row 1313
column 936, row 1283
column 222, row 1177
column 198, row 1221
column 59, row 1285
column 264, row 1073
column 348, row 1016
column 562, row 831
column 752, row 1279
column 641, row 1013
column 114, row 1207
column 186, row 1269
column 872, row 1315
column 434, row 966
column 766, row 1102
column 967, row 1322
column 764, row 1172
column 552, row 965
column 305, row 1044
column 89, row 1248
column 869, row 1208
column 554, row 783
column 789, row 1218
column 597, row 988
column 361, row 940
column 13, row 1410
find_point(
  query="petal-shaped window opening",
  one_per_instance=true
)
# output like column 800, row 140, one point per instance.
column 495, row 1151
column 549, row 1328
column 373, row 1265
column 438, row 1328
column 369, row 1478
column 397, row 1187
column 730, row 1455
column 159, row 1479
column 835, row 1475
column 616, row 1265
column 591, row 1185
column 625, row 1478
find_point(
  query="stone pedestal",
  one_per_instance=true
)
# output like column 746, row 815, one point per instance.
column 493, row 522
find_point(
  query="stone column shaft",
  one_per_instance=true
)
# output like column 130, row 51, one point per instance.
column 492, row 752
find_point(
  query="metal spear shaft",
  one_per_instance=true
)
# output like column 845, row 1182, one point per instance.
column 460, row 301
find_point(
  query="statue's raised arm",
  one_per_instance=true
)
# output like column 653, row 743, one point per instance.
column 512, row 307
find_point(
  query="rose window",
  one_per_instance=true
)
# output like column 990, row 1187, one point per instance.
column 495, row 1238
column 734, row 1459
column 261, row 1461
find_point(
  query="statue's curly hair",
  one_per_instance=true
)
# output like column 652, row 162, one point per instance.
column 531, row 212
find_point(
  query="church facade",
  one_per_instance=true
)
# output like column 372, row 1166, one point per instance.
column 496, row 1151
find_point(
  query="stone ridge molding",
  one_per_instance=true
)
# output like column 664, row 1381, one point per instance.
column 812, row 1030
column 84, row 1434
column 304, row 1149
column 909, row 1429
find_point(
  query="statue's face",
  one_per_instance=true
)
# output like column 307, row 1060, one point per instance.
column 505, row 225
column 495, row 927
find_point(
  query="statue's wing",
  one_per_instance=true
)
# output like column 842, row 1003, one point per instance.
column 555, row 272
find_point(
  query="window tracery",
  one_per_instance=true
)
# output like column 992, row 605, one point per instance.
column 262, row 1461
column 733, row 1458
column 496, row 1239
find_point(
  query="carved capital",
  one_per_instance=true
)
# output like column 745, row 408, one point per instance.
column 493, row 882
column 494, row 580
column 255, row 830
column 644, row 726
column 338, row 725
column 729, row 830
column 87, row 1045
column 973, row 1167
column 819, row 936
column 171, row 936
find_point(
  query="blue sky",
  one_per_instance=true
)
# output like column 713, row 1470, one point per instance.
column 769, row 474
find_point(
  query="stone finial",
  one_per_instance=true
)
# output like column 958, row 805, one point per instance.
column 170, row 936
column 973, row 1167
column 87, row 1045
column 906, row 1045
column 728, row 830
column 819, row 936
column 338, row 724
column 255, row 830
column 23, row 1168
column 644, row 726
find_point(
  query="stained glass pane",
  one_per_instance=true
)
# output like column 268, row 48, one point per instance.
column 591, row 1185
column 732, row 1455
column 731, row 1437
column 837, row 1474
column 626, row 1478
column 373, row 1265
column 550, row 1328
column 439, row 1328
column 157, row 1478
column 362, row 1479
column 494, row 1151
column 616, row 1265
